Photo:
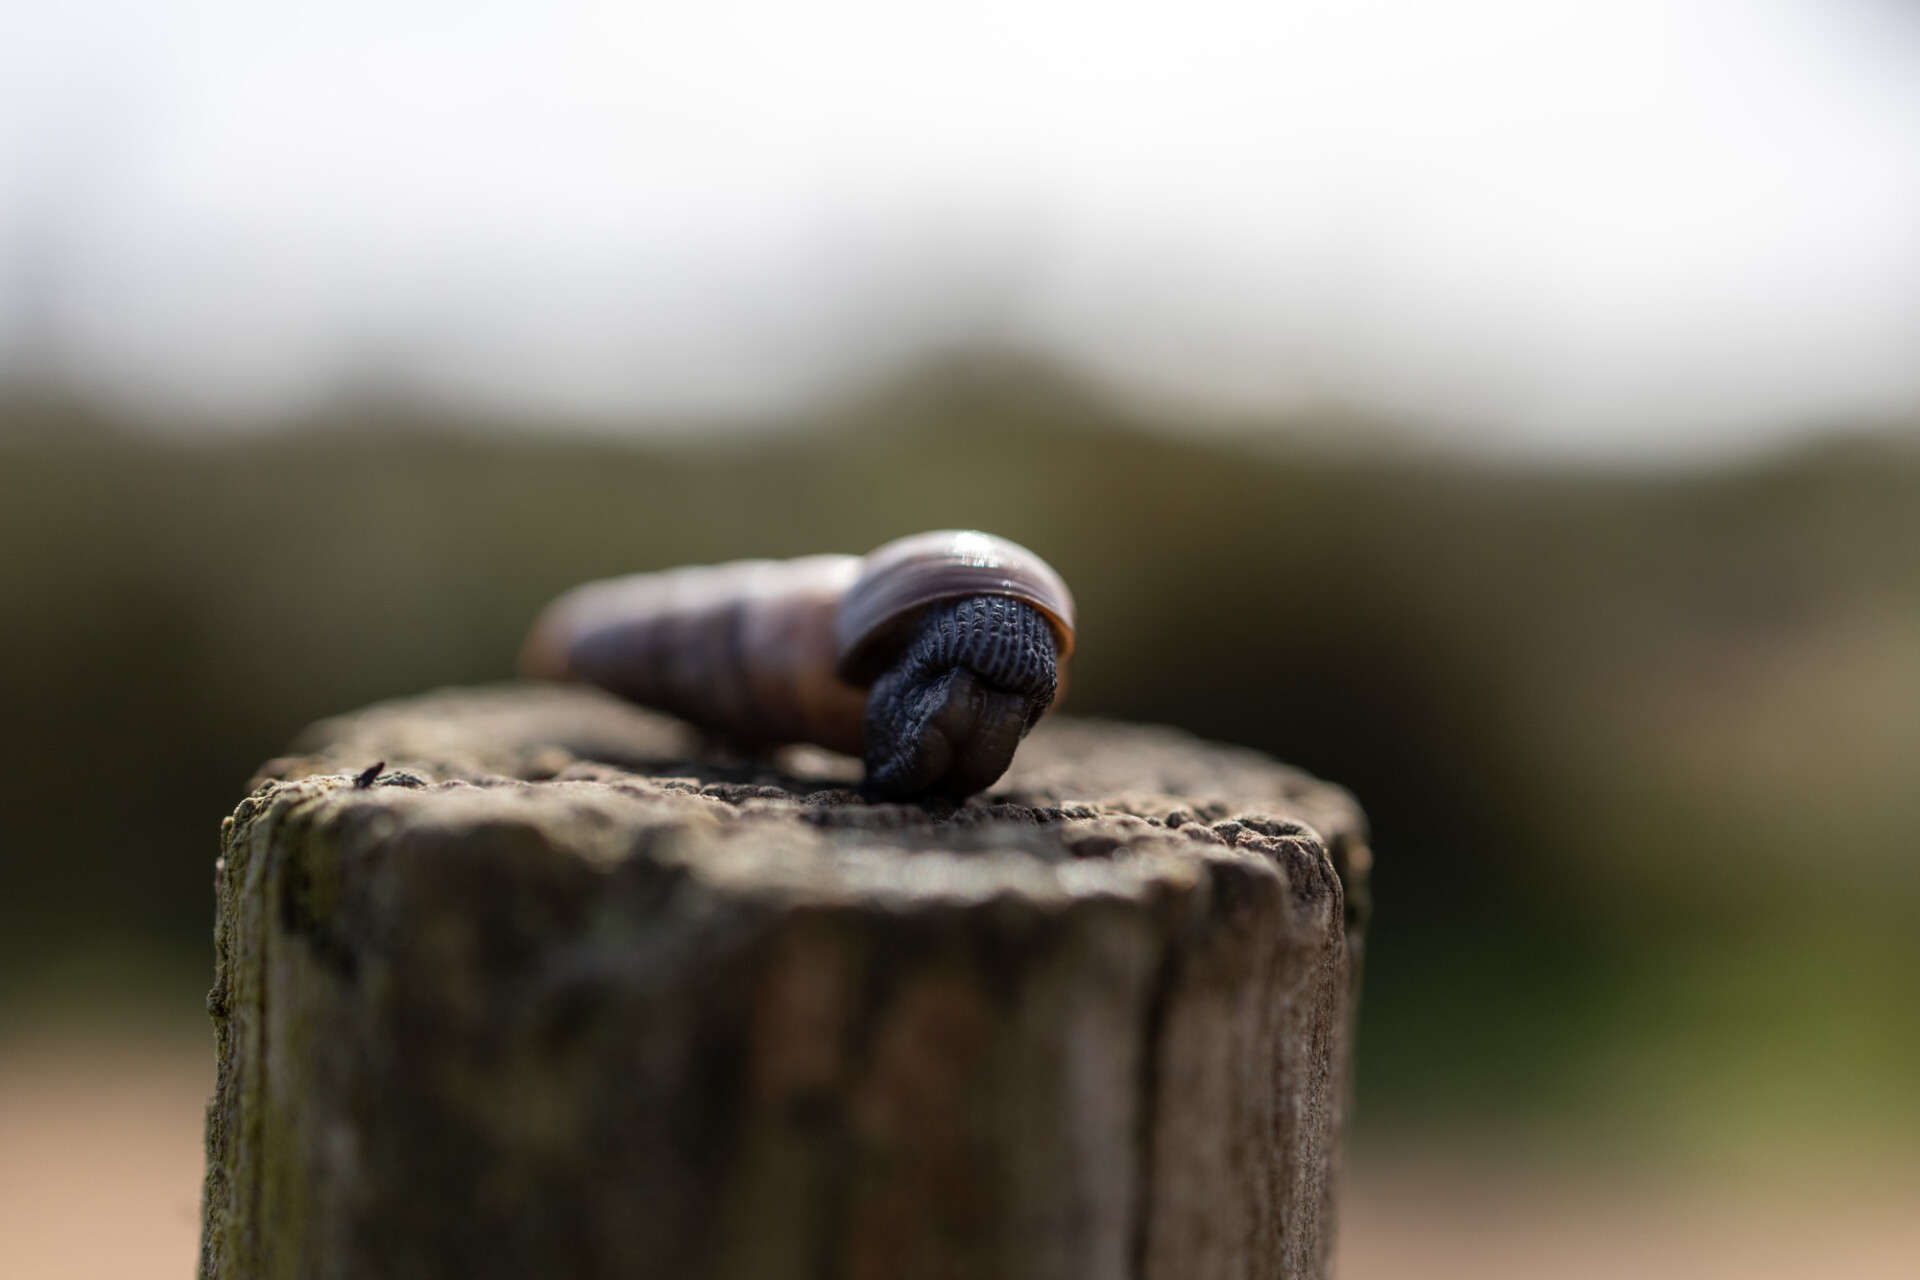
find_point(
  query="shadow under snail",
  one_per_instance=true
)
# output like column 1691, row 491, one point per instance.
column 931, row 657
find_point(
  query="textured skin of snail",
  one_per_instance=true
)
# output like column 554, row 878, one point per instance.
column 930, row 657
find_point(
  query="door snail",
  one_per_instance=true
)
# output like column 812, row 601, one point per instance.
column 930, row 657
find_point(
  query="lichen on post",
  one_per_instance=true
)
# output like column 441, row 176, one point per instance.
column 558, row 993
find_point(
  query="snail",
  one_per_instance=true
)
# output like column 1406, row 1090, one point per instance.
column 930, row 657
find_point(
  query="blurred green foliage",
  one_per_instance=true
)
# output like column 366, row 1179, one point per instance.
column 1638, row 750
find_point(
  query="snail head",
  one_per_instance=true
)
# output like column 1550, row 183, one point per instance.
column 961, row 639
column 945, row 717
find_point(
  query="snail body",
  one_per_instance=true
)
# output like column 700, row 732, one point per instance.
column 931, row 657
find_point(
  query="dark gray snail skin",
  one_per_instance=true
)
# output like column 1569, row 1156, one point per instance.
column 947, row 716
column 931, row 657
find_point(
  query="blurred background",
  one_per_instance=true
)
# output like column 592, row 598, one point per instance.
column 1509, row 411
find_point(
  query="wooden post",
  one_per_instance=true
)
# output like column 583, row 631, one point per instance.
column 552, row 998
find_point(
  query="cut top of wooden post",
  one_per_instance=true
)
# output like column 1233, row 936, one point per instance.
column 1091, row 786
column 558, row 991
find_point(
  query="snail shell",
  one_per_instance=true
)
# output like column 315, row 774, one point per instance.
column 766, row 652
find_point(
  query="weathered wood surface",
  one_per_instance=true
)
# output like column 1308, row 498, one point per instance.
column 560, row 995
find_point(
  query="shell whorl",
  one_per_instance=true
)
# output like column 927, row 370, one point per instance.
column 767, row 652
column 744, row 649
column 900, row 580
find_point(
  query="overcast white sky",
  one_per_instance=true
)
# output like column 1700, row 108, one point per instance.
column 1606, row 228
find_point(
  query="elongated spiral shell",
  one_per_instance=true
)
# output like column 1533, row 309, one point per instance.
column 960, row 635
